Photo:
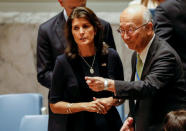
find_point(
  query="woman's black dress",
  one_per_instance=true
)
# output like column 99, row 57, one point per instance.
column 69, row 85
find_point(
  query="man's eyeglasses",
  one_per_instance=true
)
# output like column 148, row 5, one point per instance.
column 130, row 30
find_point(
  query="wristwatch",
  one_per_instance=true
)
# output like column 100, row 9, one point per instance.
column 105, row 84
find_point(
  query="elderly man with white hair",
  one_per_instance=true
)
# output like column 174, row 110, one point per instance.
column 157, row 83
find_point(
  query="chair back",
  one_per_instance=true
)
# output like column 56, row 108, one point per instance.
column 14, row 106
column 34, row 123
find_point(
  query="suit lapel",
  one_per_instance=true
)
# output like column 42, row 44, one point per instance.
column 150, row 54
column 133, row 66
column 59, row 28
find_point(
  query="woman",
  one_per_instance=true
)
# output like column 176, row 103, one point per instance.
column 147, row 3
column 150, row 4
column 75, row 107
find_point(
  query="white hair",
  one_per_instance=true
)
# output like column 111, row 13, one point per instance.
column 147, row 16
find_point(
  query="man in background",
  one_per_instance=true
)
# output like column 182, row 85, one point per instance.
column 170, row 25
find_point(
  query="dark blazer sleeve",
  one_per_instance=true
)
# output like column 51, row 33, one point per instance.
column 44, row 58
column 107, row 35
column 163, row 70
column 115, row 66
column 58, row 81
column 64, row 83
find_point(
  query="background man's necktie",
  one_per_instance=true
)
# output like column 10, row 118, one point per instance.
column 139, row 66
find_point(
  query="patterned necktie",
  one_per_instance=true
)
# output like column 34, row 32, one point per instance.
column 139, row 66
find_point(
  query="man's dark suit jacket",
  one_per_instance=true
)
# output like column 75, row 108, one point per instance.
column 170, row 25
column 51, row 42
column 160, row 90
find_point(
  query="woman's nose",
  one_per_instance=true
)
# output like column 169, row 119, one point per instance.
column 82, row 31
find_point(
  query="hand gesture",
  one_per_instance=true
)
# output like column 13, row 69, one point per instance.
column 128, row 125
column 95, row 83
column 106, row 102
column 95, row 106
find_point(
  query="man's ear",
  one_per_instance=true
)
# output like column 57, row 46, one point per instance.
column 149, row 27
column 61, row 2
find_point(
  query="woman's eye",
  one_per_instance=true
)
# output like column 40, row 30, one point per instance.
column 75, row 28
column 85, row 26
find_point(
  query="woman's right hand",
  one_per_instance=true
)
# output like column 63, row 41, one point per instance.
column 95, row 106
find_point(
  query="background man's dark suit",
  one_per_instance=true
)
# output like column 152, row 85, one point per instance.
column 170, row 25
column 52, row 42
column 160, row 90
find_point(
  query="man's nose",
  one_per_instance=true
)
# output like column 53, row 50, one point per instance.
column 125, row 35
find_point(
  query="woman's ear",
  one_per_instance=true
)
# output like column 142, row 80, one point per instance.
column 95, row 31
